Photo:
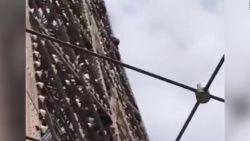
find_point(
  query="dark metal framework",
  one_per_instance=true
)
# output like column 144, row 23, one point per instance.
column 146, row 73
column 75, row 89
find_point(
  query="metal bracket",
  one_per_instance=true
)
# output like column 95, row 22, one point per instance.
column 202, row 96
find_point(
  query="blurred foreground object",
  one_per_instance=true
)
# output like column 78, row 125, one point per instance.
column 12, row 66
column 237, row 70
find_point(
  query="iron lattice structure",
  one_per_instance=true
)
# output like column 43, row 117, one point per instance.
column 80, row 97
column 59, row 54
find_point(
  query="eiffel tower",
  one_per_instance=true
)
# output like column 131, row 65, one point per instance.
column 71, row 95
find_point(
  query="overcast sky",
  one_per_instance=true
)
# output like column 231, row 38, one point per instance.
column 181, row 40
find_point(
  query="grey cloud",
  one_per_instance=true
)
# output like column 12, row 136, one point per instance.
column 211, row 5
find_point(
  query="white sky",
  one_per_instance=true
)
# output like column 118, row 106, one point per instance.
column 181, row 40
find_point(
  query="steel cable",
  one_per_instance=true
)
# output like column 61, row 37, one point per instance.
column 135, row 68
column 112, row 60
column 214, row 73
column 31, row 138
column 187, row 121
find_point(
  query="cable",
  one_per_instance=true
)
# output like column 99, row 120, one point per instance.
column 48, row 116
column 187, row 121
column 217, row 98
column 91, row 98
column 61, row 91
column 214, row 73
column 33, row 103
column 31, row 138
column 112, row 60
column 27, row 137
column 135, row 68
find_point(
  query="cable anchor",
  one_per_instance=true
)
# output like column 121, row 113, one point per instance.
column 202, row 96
